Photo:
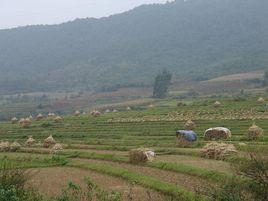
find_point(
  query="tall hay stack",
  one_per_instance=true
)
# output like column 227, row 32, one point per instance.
column 95, row 113
column 77, row 113
column 30, row 141
column 217, row 133
column 218, row 151
column 151, row 105
column 49, row 141
column 4, row 146
column 51, row 115
column 58, row 119
column 39, row 117
column 57, row 148
column 254, row 132
column 25, row 123
column 140, row 155
column 217, row 104
column 189, row 125
column 261, row 100
column 128, row 108
column 14, row 120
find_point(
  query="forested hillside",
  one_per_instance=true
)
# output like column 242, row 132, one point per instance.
column 195, row 40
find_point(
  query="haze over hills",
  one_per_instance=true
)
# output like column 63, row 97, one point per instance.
column 195, row 40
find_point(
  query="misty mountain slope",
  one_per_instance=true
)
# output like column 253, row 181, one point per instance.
column 196, row 39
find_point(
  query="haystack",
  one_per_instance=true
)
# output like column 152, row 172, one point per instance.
column 217, row 104
column 30, row 117
column 49, row 141
column 185, row 138
column 254, row 132
column 107, row 111
column 14, row 120
column 4, row 146
column 141, row 155
column 151, row 106
column 217, row 133
column 77, row 113
column 189, row 125
column 51, row 115
column 15, row 146
column 39, row 117
column 25, row 122
column 57, row 148
column 30, row 141
column 115, row 110
column 95, row 113
column 218, row 151
column 128, row 108
column 58, row 119
column 260, row 100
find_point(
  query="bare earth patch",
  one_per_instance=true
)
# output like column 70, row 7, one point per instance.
column 50, row 182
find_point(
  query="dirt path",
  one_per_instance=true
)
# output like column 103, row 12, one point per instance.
column 50, row 182
column 188, row 182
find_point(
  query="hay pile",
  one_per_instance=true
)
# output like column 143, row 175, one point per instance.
column 14, row 120
column 95, row 113
column 254, row 132
column 217, row 133
column 49, row 141
column 39, row 117
column 129, row 108
column 217, row 104
column 260, row 100
column 115, row 110
column 30, row 141
column 25, row 122
column 141, row 155
column 77, row 113
column 51, row 115
column 189, row 125
column 57, row 148
column 151, row 106
column 218, row 151
column 107, row 111
column 58, row 119
column 4, row 146
column 15, row 146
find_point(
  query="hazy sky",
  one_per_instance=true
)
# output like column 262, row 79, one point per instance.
column 15, row 13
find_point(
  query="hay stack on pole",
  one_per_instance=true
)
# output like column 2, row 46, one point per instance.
column 4, row 146
column 14, row 120
column 261, row 100
column 15, row 146
column 218, row 151
column 217, row 133
column 58, row 119
column 49, row 141
column 217, row 104
column 30, row 141
column 57, row 148
column 254, row 132
column 77, row 113
column 189, row 125
column 141, row 155
column 39, row 117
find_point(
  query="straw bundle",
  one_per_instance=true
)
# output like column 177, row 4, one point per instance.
column 217, row 104
column 77, row 113
column 51, row 115
column 254, row 132
column 128, row 108
column 56, row 148
column 15, row 146
column 217, row 133
column 218, row 151
column 4, row 146
column 114, row 110
column 260, row 100
column 95, row 113
column 14, row 120
column 39, row 117
column 49, row 141
column 189, row 125
column 141, row 155
column 58, row 119
column 151, row 106
column 25, row 122
column 30, row 141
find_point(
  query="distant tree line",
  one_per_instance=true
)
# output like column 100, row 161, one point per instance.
column 161, row 84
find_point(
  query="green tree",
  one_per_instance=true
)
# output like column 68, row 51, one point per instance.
column 161, row 84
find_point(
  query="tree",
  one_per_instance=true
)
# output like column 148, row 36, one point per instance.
column 265, row 81
column 161, row 84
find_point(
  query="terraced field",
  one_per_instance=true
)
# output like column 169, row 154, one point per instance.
column 97, row 148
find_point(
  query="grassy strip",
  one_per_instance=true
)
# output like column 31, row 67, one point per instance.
column 141, row 179
column 180, row 168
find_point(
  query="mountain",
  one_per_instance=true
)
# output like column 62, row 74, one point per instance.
column 193, row 39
